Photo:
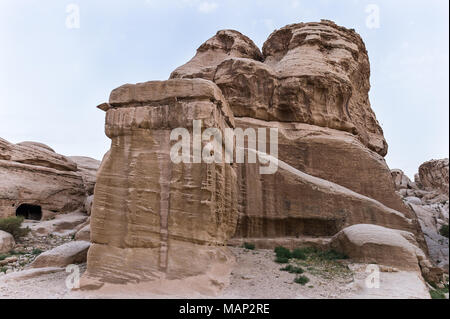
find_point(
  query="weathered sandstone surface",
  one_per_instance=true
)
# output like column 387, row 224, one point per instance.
column 428, row 197
column 368, row 244
column 314, row 73
column 87, row 167
column 6, row 242
column 60, row 225
column 38, row 183
column 153, row 219
column 433, row 175
column 74, row 252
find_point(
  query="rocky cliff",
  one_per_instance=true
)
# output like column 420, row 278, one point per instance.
column 155, row 219
column 428, row 198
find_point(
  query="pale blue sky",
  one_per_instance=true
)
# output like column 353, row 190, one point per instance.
column 52, row 77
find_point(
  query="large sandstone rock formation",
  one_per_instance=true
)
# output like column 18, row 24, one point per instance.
column 39, row 183
column 433, row 175
column 314, row 73
column 152, row 218
column 312, row 83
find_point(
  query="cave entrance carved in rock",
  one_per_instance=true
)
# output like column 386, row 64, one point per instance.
column 28, row 211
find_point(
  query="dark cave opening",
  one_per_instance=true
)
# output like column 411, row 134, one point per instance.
column 28, row 211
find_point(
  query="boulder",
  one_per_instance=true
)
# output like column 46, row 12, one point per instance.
column 413, row 200
column 84, row 233
column 6, row 242
column 402, row 181
column 88, row 204
column 74, row 252
column 62, row 224
column 368, row 243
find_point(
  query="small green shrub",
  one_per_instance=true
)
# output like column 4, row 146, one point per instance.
column 292, row 269
column 36, row 251
column 332, row 255
column 298, row 254
column 3, row 269
column 3, row 257
column 437, row 294
column 15, row 252
column 444, row 230
column 287, row 268
column 432, row 284
column 282, row 252
column 302, row 280
column 12, row 225
column 249, row 246
column 282, row 260
column 309, row 250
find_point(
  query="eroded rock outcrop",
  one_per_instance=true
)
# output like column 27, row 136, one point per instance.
column 151, row 218
column 39, row 183
column 312, row 84
column 314, row 73
column 433, row 175
column 428, row 197
column 154, row 219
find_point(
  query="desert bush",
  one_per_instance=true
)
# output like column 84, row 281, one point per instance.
column 292, row 269
column 298, row 254
column 12, row 225
column 302, row 280
column 36, row 251
column 437, row 294
column 249, row 246
column 331, row 255
column 282, row 260
column 282, row 252
column 444, row 230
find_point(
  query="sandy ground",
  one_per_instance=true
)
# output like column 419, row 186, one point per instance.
column 255, row 275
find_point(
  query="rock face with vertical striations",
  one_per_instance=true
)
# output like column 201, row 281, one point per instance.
column 155, row 219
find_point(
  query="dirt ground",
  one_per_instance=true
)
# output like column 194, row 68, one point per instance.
column 255, row 275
